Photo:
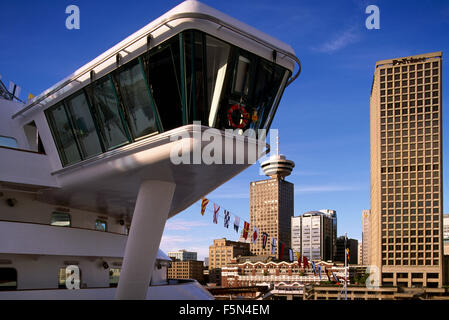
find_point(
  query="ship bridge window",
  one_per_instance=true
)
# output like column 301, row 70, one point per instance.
column 137, row 99
column 8, row 279
column 162, row 67
column 190, row 77
column 60, row 219
column 112, row 124
column 83, row 125
column 114, row 276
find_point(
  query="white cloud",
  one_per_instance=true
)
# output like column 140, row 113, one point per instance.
column 339, row 42
column 183, row 225
column 326, row 188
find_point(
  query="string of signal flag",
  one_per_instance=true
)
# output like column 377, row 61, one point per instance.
column 217, row 211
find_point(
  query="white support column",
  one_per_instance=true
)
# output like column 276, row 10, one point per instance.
column 150, row 214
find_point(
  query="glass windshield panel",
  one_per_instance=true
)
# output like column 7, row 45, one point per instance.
column 217, row 55
column 137, row 101
column 63, row 135
column 84, row 126
column 162, row 66
column 112, row 128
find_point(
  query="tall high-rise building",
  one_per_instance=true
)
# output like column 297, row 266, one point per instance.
column 271, row 206
column 313, row 234
column 344, row 243
column 406, row 224
column 365, row 237
column 446, row 233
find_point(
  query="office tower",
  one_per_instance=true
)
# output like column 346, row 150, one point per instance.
column 271, row 206
column 446, row 234
column 312, row 235
column 359, row 251
column 365, row 237
column 182, row 255
column 333, row 215
column 352, row 245
column 221, row 253
column 406, row 224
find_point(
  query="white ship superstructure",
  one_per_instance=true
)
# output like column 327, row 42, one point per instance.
column 87, row 178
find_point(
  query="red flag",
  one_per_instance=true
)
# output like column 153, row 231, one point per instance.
column 245, row 230
column 281, row 254
column 204, row 203
column 305, row 262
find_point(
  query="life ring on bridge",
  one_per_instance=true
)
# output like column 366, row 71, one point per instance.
column 237, row 111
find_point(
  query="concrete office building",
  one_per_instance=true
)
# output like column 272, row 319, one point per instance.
column 446, row 233
column 271, row 206
column 313, row 234
column 221, row 253
column 406, row 224
column 182, row 255
column 187, row 269
column 365, row 237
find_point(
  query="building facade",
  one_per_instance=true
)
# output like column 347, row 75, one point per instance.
column 352, row 245
column 446, row 234
column 187, row 269
column 221, row 253
column 406, row 225
column 271, row 206
column 365, row 237
column 313, row 234
column 182, row 255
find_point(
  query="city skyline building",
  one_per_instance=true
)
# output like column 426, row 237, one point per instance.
column 272, row 206
column 446, row 234
column 344, row 242
column 313, row 234
column 183, row 255
column 365, row 237
column 406, row 225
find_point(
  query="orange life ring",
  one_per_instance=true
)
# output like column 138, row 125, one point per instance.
column 245, row 117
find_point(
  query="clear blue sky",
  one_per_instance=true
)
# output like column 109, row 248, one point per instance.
column 323, row 118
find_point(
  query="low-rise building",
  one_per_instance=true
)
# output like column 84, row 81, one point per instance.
column 189, row 269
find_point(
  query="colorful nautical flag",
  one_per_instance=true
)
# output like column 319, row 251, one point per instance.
column 273, row 245
column 245, row 230
column 255, row 235
column 327, row 273
column 319, row 271
column 216, row 209
column 264, row 239
column 335, row 277
column 227, row 217
column 236, row 224
column 204, row 203
column 305, row 262
column 313, row 267
column 347, row 253
column 281, row 254
column 298, row 257
column 290, row 254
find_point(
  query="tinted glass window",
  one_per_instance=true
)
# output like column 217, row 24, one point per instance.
column 63, row 135
column 162, row 66
column 60, row 219
column 112, row 127
column 8, row 142
column 83, row 125
column 136, row 99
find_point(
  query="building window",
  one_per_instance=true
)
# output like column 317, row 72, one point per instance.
column 8, row 279
column 101, row 225
column 60, row 219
